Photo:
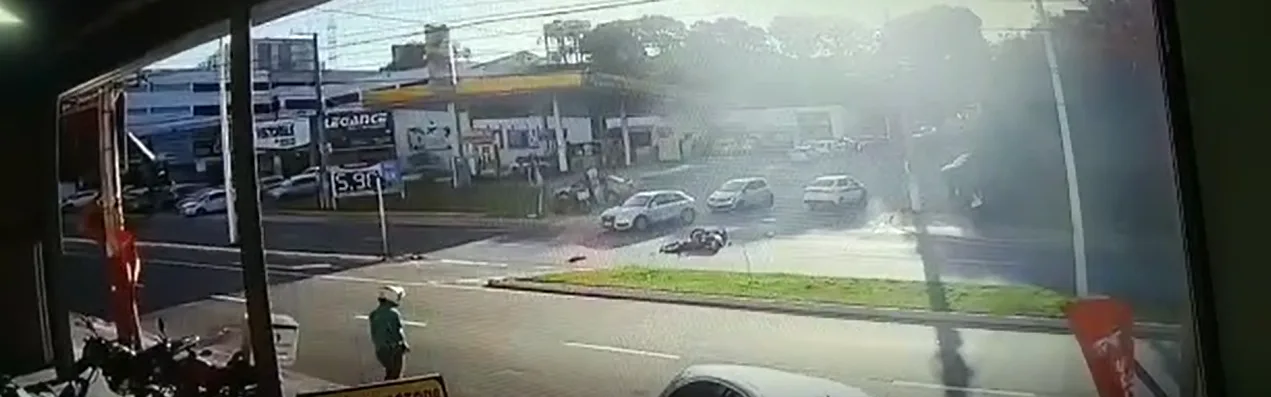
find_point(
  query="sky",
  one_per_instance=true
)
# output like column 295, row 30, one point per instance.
column 357, row 34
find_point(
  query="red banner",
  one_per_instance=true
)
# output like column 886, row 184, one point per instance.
column 1105, row 330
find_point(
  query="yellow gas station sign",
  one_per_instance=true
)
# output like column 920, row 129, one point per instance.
column 419, row 386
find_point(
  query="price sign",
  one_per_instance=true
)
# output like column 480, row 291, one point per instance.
column 350, row 182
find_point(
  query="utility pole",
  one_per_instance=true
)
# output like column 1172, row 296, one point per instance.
column 1081, row 274
column 320, row 125
column 227, row 170
column 251, row 239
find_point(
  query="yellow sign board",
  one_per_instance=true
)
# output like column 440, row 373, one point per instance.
column 418, row 386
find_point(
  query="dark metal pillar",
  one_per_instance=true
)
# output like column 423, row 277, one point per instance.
column 50, row 262
column 247, row 202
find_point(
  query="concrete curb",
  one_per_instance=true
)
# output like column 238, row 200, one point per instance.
column 410, row 218
column 961, row 320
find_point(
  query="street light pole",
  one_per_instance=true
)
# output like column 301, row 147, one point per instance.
column 1070, row 167
column 227, row 170
column 320, row 125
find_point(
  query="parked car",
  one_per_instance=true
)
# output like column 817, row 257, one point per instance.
column 647, row 208
column 834, row 191
column 724, row 380
column 741, row 193
column 211, row 201
column 296, row 186
column 79, row 199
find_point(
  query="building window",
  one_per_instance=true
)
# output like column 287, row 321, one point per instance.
column 206, row 87
column 294, row 104
column 138, row 112
column 207, row 110
column 262, row 108
column 260, row 86
column 165, row 87
column 170, row 110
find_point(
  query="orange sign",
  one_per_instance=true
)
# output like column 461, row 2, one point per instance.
column 1104, row 328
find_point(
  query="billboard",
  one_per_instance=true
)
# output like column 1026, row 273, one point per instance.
column 359, row 130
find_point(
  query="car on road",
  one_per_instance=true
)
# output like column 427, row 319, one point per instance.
column 297, row 186
column 270, row 181
column 79, row 199
column 644, row 209
column 211, row 201
column 741, row 193
column 834, row 191
column 724, row 380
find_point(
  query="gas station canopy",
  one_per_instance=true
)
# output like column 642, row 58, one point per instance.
column 471, row 89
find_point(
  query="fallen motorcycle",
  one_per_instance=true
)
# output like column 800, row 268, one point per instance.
column 700, row 240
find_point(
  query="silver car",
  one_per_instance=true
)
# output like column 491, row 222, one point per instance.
column 208, row 202
column 647, row 208
column 741, row 193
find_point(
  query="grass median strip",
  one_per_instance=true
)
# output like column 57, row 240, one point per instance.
column 916, row 295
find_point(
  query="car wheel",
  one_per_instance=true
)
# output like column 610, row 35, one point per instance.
column 687, row 216
column 200, row 212
column 641, row 223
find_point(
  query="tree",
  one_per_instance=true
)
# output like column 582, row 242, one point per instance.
column 936, row 59
column 614, row 47
column 803, row 37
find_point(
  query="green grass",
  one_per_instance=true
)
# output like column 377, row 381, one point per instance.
column 964, row 298
column 493, row 198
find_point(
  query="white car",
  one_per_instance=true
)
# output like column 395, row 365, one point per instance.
column 79, row 199
column 647, row 208
column 834, row 191
column 741, row 193
column 299, row 185
column 723, row 380
column 208, row 202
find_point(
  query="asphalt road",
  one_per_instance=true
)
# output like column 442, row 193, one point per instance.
column 341, row 237
column 489, row 342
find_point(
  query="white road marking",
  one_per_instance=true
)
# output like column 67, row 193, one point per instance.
column 471, row 281
column 963, row 389
column 464, row 262
column 545, row 267
column 232, row 250
column 229, row 298
column 612, row 349
column 404, row 322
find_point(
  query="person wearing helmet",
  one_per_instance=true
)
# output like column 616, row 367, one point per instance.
column 387, row 333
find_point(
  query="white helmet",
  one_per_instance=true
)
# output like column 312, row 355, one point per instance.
column 392, row 293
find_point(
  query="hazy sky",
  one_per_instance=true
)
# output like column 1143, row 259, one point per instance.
column 362, row 41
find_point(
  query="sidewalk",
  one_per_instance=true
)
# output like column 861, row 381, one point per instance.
column 222, row 347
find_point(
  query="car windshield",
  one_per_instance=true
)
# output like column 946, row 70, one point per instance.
column 690, row 114
column 823, row 182
column 639, row 200
column 733, row 186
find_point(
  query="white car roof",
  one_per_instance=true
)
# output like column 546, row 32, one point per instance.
column 655, row 192
column 747, row 179
column 825, row 177
column 767, row 382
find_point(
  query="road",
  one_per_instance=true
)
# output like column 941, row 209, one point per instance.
column 491, row 342
column 349, row 237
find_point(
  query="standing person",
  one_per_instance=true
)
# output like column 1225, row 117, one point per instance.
column 387, row 333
